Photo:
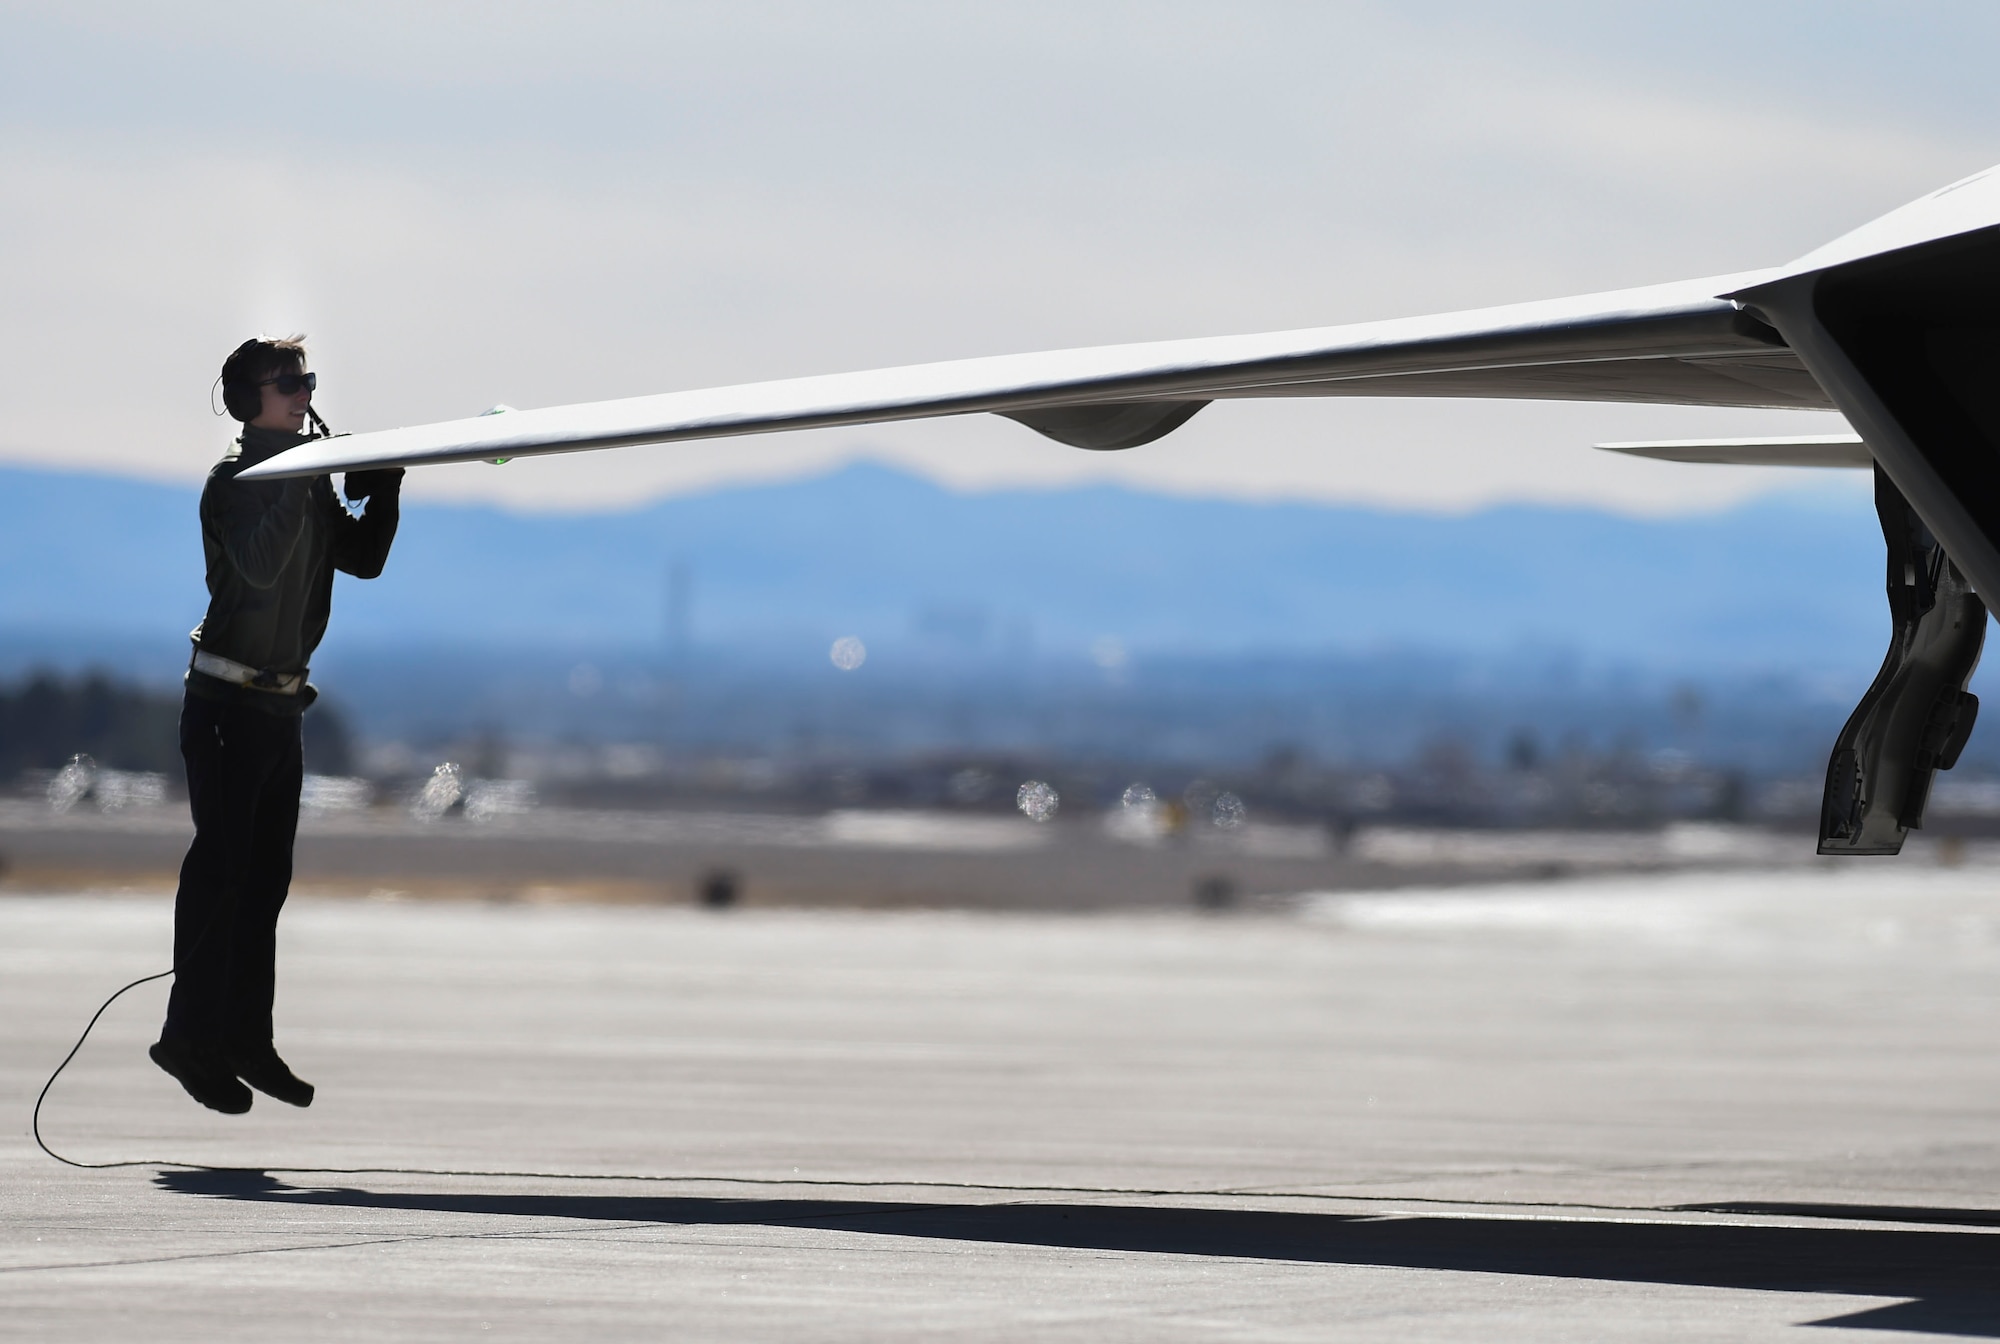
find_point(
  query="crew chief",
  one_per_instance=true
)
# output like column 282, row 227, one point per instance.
column 271, row 549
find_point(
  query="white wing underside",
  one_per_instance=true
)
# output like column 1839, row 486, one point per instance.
column 1677, row 344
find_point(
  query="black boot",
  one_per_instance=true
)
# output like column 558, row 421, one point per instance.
column 259, row 1066
column 201, row 1071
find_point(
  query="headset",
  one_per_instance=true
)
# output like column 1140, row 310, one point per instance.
column 243, row 399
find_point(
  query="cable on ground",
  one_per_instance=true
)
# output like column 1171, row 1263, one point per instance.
column 43, row 1095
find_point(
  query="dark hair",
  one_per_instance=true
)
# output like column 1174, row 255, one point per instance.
column 256, row 361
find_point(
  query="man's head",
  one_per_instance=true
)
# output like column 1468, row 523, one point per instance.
column 265, row 383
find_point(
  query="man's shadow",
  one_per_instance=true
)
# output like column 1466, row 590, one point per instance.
column 1950, row 1278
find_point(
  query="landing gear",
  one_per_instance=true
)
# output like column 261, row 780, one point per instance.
column 1916, row 717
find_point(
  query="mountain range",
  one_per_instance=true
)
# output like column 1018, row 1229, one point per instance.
column 919, row 572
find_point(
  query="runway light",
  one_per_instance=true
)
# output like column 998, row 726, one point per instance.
column 848, row 653
column 1038, row 801
column 73, row 783
column 1141, row 819
column 440, row 793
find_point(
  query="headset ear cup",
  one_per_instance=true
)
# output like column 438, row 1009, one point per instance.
column 241, row 400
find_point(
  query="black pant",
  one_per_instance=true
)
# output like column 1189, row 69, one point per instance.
column 244, row 771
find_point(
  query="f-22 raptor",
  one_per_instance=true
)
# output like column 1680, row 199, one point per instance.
column 1896, row 325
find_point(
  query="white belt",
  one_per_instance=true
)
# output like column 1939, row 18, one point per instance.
column 229, row 670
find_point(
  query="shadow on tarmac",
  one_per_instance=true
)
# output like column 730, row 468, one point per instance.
column 1952, row 1279
column 1860, row 1213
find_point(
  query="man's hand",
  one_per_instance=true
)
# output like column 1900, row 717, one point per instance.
column 360, row 485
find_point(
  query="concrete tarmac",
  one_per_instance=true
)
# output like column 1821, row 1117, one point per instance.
column 1685, row 1106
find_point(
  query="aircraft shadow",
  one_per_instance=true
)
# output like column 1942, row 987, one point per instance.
column 1861, row 1213
column 1950, row 1278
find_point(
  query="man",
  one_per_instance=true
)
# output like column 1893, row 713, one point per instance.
column 272, row 548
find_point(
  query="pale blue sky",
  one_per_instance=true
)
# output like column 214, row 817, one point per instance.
column 471, row 203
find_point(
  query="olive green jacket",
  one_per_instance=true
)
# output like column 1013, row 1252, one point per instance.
column 272, row 548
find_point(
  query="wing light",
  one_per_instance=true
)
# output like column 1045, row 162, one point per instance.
column 501, row 408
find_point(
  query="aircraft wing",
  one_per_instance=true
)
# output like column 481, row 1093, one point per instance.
column 1896, row 325
column 1676, row 344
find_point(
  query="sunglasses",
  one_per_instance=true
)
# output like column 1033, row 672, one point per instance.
column 291, row 384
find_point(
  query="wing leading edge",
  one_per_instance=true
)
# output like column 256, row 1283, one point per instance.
column 1670, row 344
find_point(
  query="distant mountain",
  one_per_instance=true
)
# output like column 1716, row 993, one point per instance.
column 920, row 572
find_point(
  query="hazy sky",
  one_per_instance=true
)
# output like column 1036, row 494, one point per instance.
column 472, row 203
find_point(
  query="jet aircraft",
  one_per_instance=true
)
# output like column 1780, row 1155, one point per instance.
column 1896, row 325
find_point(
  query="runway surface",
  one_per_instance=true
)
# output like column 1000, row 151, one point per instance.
column 1687, row 1106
